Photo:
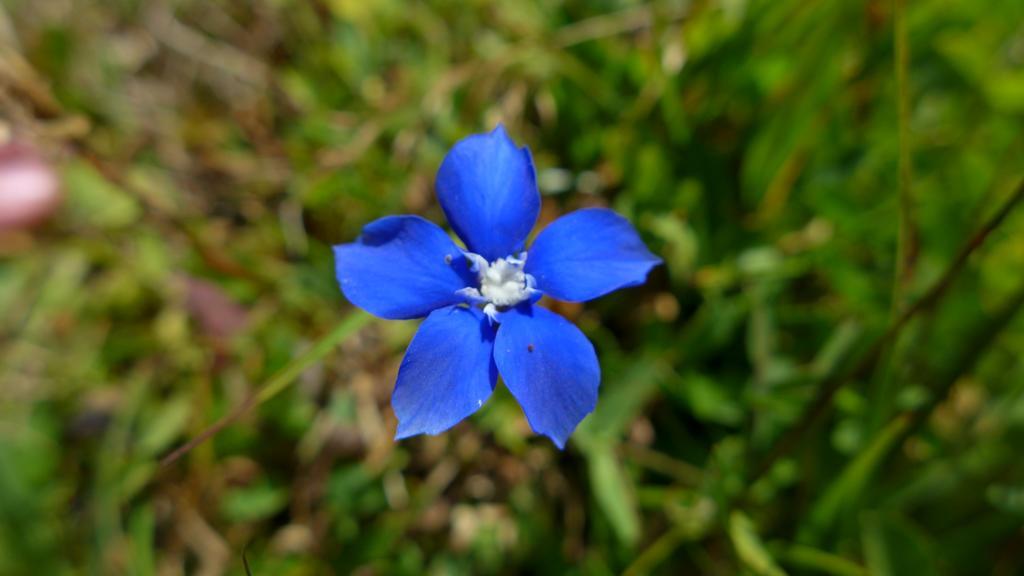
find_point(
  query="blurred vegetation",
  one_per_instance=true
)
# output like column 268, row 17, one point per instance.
column 809, row 171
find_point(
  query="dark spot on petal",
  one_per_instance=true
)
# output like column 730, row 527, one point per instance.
column 448, row 259
column 529, row 347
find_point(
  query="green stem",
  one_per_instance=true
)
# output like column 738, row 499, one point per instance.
column 657, row 552
column 907, row 237
column 907, row 241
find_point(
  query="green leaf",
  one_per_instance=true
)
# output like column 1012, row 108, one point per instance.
column 710, row 400
column 142, row 527
column 253, row 503
column 598, row 435
column 749, row 548
column 614, row 493
column 621, row 399
column 165, row 426
column 893, row 546
column 848, row 485
column 816, row 560
column 1009, row 499
column 93, row 201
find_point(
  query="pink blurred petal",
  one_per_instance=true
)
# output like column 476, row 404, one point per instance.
column 29, row 188
column 220, row 317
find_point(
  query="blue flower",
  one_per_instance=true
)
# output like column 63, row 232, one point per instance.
column 479, row 301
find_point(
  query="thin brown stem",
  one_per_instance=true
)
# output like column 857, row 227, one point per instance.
column 222, row 423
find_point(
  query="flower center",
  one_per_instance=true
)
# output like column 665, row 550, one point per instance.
column 502, row 282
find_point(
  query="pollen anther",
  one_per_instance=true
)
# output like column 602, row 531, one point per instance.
column 503, row 283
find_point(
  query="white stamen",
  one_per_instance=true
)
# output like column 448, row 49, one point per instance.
column 502, row 283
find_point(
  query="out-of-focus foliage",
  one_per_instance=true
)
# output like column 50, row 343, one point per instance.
column 212, row 151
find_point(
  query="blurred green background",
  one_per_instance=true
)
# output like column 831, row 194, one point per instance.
column 809, row 171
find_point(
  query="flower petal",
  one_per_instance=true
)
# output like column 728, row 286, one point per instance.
column 447, row 374
column 550, row 367
column 587, row 254
column 488, row 191
column 401, row 267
